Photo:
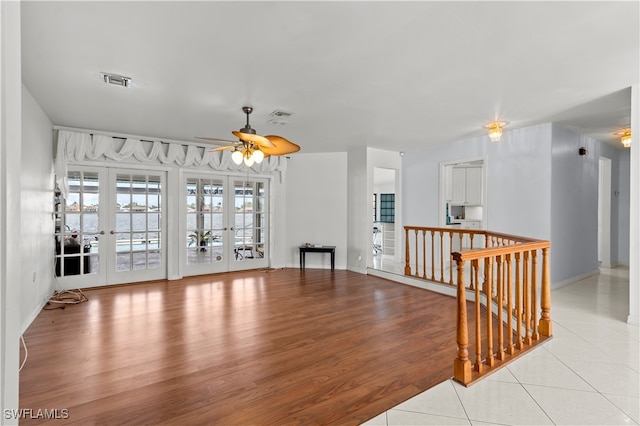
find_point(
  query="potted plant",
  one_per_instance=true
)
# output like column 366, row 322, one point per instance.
column 201, row 238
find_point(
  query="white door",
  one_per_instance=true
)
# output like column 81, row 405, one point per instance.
column 226, row 223
column 136, row 236
column 110, row 229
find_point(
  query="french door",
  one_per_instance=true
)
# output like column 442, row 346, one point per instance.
column 225, row 224
column 111, row 227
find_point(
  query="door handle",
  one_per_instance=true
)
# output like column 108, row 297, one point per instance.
column 101, row 232
column 112, row 232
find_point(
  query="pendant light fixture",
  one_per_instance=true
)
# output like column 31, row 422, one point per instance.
column 495, row 130
column 625, row 137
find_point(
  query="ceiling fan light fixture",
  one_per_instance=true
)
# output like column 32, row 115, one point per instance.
column 495, row 130
column 248, row 160
column 252, row 148
column 258, row 156
column 237, row 156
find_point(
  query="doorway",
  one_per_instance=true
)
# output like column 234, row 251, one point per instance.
column 111, row 228
column 384, row 212
column 604, row 212
column 226, row 223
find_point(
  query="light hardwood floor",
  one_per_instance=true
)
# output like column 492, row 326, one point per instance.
column 258, row 347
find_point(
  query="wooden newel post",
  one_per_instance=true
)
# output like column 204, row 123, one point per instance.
column 461, row 365
column 545, row 302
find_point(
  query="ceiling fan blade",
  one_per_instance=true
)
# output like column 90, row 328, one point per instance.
column 223, row 148
column 261, row 141
column 282, row 146
column 216, row 140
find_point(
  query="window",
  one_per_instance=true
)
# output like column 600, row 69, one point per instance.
column 387, row 208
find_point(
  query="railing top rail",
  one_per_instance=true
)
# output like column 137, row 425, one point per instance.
column 510, row 237
column 499, row 251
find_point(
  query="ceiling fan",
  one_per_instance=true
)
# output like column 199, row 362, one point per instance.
column 253, row 148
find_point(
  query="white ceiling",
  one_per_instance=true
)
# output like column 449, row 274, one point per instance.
column 390, row 75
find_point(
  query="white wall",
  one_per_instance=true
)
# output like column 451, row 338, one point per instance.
column 537, row 186
column 36, row 241
column 634, row 210
column 315, row 208
column 619, row 203
column 574, row 197
column 10, row 209
column 517, row 206
column 518, row 181
column 387, row 183
column 359, row 222
column 622, row 198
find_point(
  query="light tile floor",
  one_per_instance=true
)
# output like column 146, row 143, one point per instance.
column 588, row 374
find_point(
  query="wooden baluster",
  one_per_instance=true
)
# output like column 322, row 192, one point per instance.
column 518, row 301
column 487, row 272
column 478, row 364
column 500, row 274
column 462, row 365
column 510, row 348
column 433, row 261
column 424, row 254
column 525, row 299
column 460, row 237
column 490, row 360
column 417, row 269
column 451, row 258
column 534, row 296
column 545, row 303
column 494, row 281
column 471, row 276
column 441, row 257
column 505, row 280
column 407, row 259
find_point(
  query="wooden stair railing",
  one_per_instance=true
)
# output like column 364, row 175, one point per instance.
column 504, row 283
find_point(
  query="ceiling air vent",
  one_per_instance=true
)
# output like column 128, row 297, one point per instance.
column 118, row 80
column 279, row 117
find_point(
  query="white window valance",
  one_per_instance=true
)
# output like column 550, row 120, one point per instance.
column 78, row 147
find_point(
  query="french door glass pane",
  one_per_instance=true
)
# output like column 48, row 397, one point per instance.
column 77, row 247
column 138, row 218
column 205, row 220
column 249, row 217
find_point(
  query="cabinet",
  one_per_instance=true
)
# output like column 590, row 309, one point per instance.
column 388, row 238
column 470, row 224
column 466, row 185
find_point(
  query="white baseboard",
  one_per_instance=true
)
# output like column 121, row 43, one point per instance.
column 555, row 286
column 445, row 289
column 33, row 315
